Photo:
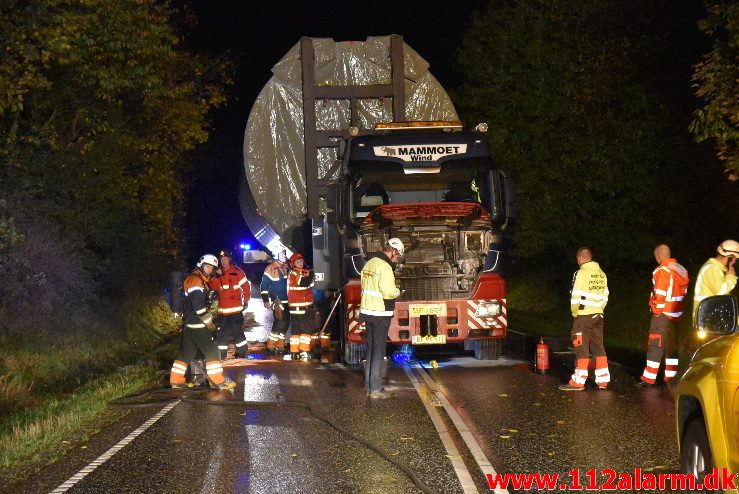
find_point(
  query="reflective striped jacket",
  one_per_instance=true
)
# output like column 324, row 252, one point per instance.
column 589, row 294
column 233, row 290
column 712, row 280
column 299, row 293
column 669, row 288
column 378, row 288
column 274, row 283
column 196, row 288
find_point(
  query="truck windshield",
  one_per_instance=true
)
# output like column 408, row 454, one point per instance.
column 375, row 184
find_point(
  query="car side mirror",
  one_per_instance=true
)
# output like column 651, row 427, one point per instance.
column 718, row 315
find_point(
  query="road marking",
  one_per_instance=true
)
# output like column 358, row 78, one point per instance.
column 463, row 474
column 109, row 454
column 461, row 427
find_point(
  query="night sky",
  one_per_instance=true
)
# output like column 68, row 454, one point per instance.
column 255, row 35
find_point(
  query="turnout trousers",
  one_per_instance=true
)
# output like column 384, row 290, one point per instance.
column 194, row 339
column 231, row 326
column 587, row 340
column 662, row 342
column 280, row 326
column 377, row 330
column 302, row 328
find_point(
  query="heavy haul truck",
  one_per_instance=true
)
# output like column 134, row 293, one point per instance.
column 352, row 143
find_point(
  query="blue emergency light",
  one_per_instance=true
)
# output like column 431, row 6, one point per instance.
column 245, row 246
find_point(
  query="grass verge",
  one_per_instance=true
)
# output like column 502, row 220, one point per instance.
column 55, row 384
column 38, row 436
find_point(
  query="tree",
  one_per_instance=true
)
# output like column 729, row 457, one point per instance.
column 99, row 105
column 569, row 121
column 717, row 85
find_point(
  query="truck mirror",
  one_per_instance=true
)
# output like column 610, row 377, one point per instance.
column 718, row 315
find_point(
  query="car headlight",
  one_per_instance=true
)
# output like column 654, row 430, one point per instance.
column 491, row 309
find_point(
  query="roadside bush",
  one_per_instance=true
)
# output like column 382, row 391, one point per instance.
column 46, row 287
column 148, row 321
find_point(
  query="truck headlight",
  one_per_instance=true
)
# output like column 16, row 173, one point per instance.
column 488, row 309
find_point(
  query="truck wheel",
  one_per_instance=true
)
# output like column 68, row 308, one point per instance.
column 695, row 453
column 488, row 349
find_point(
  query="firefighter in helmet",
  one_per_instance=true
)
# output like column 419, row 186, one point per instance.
column 234, row 292
column 198, row 325
column 718, row 275
column 377, row 306
column 274, row 296
column 300, row 304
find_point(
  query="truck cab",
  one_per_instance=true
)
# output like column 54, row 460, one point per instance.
column 435, row 187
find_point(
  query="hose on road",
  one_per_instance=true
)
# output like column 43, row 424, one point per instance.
column 164, row 396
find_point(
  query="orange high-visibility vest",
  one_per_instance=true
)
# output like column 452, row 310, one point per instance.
column 299, row 293
column 670, row 286
column 233, row 290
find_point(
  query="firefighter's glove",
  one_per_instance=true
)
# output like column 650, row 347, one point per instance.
column 577, row 340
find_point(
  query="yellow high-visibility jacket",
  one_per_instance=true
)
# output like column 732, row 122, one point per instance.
column 589, row 294
column 378, row 288
column 712, row 280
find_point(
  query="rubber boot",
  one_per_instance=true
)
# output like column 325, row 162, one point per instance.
column 197, row 373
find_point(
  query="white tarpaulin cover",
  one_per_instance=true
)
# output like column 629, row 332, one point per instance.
column 273, row 143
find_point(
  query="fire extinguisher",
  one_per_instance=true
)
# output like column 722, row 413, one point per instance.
column 542, row 356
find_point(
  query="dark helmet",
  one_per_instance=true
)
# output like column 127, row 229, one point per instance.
column 226, row 253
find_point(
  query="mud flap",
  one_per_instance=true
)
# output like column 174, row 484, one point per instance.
column 488, row 349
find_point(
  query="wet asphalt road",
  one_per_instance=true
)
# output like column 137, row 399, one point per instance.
column 521, row 421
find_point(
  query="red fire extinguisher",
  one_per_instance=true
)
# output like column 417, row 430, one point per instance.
column 542, row 356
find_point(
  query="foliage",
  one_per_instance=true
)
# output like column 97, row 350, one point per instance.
column 717, row 84
column 9, row 234
column 45, row 276
column 55, row 395
column 39, row 434
column 570, row 122
column 98, row 106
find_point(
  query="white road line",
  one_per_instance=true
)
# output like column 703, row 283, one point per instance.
column 109, row 454
column 461, row 427
column 463, row 474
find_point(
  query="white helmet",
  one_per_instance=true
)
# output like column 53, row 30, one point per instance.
column 396, row 244
column 729, row 248
column 208, row 259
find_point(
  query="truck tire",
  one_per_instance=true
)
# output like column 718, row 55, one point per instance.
column 695, row 452
column 488, row 349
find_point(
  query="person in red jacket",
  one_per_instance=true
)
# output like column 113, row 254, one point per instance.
column 667, row 304
column 300, row 305
column 233, row 294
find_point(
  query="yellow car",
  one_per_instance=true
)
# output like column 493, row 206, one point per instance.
column 707, row 396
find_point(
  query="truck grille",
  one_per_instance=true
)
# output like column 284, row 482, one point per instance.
column 427, row 282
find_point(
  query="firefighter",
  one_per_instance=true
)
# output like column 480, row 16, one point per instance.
column 376, row 309
column 198, row 324
column 301, row 307
column 274, row 293
column 234, row 292
column 666, row 304
column 588, row 299
column 718, row 275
